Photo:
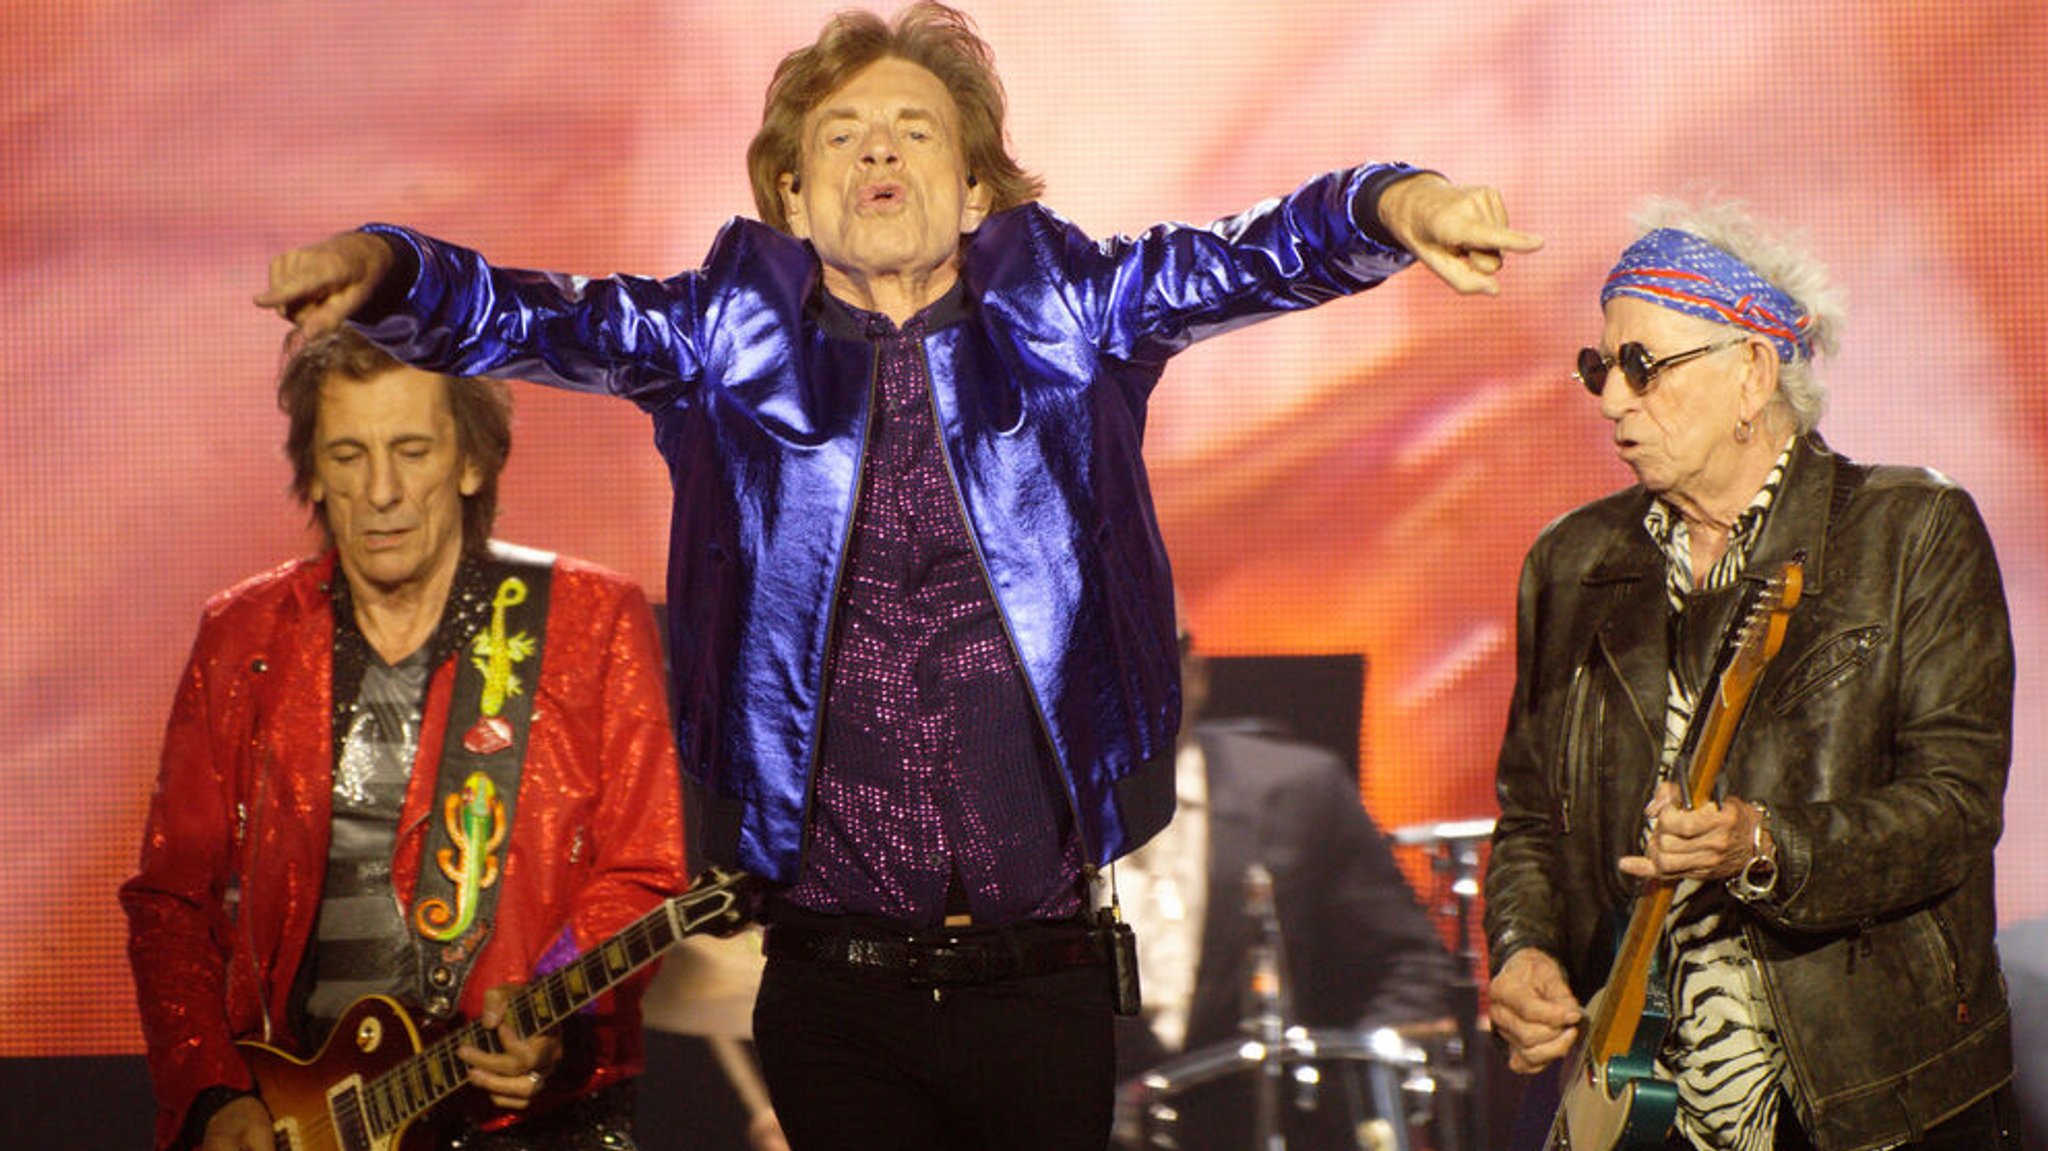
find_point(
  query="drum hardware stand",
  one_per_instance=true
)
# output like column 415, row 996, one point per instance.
column 1279, row 1053
column 1268, row 1009
column 1454, row 850
column 1266, row 1019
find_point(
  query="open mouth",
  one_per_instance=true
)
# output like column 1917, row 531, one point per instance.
column 881, row 195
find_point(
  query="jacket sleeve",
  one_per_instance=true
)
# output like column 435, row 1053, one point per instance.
column 178, row 922
column 1376, row 947
column 1933, row 813
column 636, row 834
column 1523, row 903
column 1148, row 297
column 445, row 308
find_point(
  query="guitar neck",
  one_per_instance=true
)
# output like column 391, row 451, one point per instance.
column 405, row 1092
column 1611, row 1029
column 1595, row 1111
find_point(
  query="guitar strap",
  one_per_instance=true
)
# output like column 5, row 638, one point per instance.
column 476, row 788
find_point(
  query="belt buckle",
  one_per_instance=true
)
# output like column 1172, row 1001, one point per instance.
column 931, row 964
column 864, row 953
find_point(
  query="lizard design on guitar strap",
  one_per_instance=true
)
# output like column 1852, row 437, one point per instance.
column 476, row 828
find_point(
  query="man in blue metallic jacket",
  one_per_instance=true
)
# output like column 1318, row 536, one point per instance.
column 921, row 618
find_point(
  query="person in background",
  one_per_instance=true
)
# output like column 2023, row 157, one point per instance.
column 1358, row 951
column 309, row 842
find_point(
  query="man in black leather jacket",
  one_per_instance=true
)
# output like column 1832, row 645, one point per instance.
column 1833, row 979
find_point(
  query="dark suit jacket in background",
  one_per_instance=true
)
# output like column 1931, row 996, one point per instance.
column 1360, row 950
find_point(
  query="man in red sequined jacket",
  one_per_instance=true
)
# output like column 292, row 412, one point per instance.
column 280, row 867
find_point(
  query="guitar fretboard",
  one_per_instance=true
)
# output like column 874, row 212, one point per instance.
column 402, row 1094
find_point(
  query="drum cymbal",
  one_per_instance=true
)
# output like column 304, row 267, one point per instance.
column 706, row 987
column 1431, row 834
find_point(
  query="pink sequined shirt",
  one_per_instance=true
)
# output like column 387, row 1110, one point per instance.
column 934, row 793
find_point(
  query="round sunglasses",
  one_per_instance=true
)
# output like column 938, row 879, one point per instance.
column 1638, row 367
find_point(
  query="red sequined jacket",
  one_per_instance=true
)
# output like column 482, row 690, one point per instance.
column 222, row 908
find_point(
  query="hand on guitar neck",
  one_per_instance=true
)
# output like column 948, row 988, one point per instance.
column 511, row 1078
column 515, row 1075
column 1711, row 841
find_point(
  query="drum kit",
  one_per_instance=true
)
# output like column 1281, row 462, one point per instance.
column 1308, row 1088
column 1312, row 1089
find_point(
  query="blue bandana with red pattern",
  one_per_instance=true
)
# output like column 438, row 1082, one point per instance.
column 1680, row 271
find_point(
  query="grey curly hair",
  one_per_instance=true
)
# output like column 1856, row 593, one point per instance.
column 1785, row 261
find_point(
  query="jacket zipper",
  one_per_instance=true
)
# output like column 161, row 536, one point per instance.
column 1002, row 618
column 824, row 684
column 1575, row 705
column 1955, row 966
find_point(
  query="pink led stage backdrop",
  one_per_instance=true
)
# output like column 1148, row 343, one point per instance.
column 1361, row 479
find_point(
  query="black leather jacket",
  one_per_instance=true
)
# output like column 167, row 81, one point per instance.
column 1879, row 737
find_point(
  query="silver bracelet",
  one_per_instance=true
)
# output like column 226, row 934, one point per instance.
column 1759, row 877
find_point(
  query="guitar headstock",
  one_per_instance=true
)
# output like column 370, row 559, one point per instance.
column 719, row 902
column 1763, row 629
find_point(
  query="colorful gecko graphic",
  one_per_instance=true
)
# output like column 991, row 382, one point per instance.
column 476, row 825
column 494, row 652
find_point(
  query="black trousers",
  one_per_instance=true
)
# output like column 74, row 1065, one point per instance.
column 860, row 1060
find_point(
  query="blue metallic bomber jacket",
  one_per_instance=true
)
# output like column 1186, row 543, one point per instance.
column 761, row 405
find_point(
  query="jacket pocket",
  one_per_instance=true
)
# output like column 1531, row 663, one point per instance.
column 1827, row 665
column 1951, row 962
column 1573, row 772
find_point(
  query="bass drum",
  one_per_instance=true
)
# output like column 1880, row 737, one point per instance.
column 1318, row 1089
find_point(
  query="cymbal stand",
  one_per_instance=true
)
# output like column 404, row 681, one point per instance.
column 1266, row 1015
column 1454, row 851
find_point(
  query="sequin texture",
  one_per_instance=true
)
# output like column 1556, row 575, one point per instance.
column 933, row 764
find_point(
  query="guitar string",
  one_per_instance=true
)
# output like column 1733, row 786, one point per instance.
column 387, row 1100
column 440, row 1056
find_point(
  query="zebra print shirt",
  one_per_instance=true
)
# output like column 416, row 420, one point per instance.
column 1722, row 1048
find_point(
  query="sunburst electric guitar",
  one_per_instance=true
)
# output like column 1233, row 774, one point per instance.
column 1611, row 1100
column 372, row 1080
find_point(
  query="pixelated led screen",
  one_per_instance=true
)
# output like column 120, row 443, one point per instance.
column 1361, row 479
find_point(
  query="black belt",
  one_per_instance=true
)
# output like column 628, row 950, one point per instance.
column 940, row 958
